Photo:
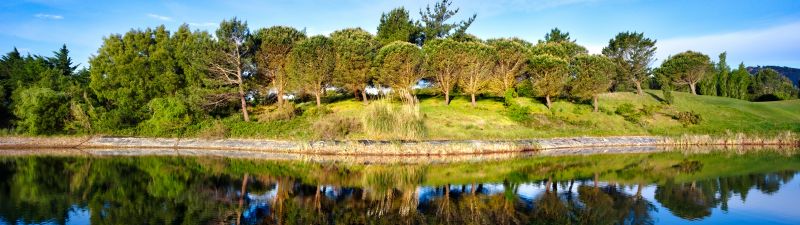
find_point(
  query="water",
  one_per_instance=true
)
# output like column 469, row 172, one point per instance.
column 711, row 187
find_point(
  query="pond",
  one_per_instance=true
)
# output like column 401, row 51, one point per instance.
column 755, row 186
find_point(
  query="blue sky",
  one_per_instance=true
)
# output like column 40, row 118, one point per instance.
column 765, row 32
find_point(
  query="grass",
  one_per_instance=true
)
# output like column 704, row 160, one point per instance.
column 490, row 120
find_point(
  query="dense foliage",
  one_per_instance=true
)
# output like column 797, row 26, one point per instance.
column 155, row 82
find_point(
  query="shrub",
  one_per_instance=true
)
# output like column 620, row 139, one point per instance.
column 649, row 110
column 335, row 127
column 629, row 112
column 383, row 120
column 275, row 112
column 688, row 118
column 80, row 121
column 215, row 130
column 317, row 111
column 168, row 117
column 519, row 113
column 40, row 110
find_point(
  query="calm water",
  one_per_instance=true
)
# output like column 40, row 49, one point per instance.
column 720, row 187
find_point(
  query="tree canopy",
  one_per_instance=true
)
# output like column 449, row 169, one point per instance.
column 399, row 66
column 632, row 53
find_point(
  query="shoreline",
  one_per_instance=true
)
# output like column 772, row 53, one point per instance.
column 388, row 148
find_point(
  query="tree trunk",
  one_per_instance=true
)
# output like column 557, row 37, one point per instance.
column 355, row 94
column 280, row 96
column 594, row 102
column 244, row 104
column 549, row 104
column 364, row 96
column 473, row 100
column 319, row 101
column 693, row 87
column 638, row 87
column 446, row 98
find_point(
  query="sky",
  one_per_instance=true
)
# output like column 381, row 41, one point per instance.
column 764, row 32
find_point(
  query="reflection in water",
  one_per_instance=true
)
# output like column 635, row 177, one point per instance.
column 559, row 190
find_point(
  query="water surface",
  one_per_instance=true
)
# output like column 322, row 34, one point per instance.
column 676, row 187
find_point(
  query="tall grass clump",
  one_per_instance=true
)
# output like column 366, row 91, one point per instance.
column 383, row 120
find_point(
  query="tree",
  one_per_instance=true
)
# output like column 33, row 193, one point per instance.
column 723, row 76
column 276, row 44
column 40, row 110
column 396, row 26
column 768, row 84
column 434, row 21
column 632, row 53
column 593, row 76
column 355, row 51
column 556, row 36
column 231, row 64
column 311, row 65
column 687, row 68
column 549, row 75
column 444, row 60
column 63, row 62
column 480, row 62
column 399, row 68
column 739, row 82
column 512, row 59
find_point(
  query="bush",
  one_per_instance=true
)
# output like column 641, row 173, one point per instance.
column 629, row 112
column 275, row 112
column 215, row 130
column 688, row 118
column 169, row 116
column 335, row 127
column 649, row 110
column 40, row 110
column 383, row 120
column 519, row 113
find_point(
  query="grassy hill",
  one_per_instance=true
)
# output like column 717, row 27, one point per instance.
column 491, row 119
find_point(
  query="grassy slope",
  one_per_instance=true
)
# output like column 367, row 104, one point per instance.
column 488, row 120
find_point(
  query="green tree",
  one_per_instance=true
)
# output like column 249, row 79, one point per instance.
column 444, row 61
column 355, row 51
column 63, row 62
column 311, row 64
column 168, row 116
column 687, row 68
column 557, row 36
column 396, row 26
column 768, row 82
column 724, row 88
column 272, row 56
column 632, row 53
column 434, row 21
column 512, row 60
column 398, row 66
column 40, row 110
column 231, row 63
column 549, row 75
column 739, row 82
column 593, row 76
column 480, row 60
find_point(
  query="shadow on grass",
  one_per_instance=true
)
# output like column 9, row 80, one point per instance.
column 656, row 97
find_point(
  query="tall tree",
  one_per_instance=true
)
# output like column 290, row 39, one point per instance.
column 62, row 62
column 632, row 53
column 276, row 44
column 593, row 76
column 480, row 61
column 723, row 76
column 311, row 65
column 687, row 68
column 232, row 62
column 740, row 81
column 444, row 61
column 557, row 36
column 399, row 68
column 512, row 59
column 396, row 26
column 549, row 75
column 434, row 21
column 768, row 83
column 355, row 51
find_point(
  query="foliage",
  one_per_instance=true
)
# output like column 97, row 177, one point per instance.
column 549, row 75
column 768, row 83
column 629, row 112
column 311, row 65
column 396, row 26
column 444, row 61
column 593, row 76
column 632, row 53
column 479, row 65
column 686, row 68
column 282, row 111
column 355, row 50
column 168, row 116
column 434, row 22
column 512, row 60
column 398, row 67
column 688, row 118
column 336, row 127
column 272, row 56
column 40, row 110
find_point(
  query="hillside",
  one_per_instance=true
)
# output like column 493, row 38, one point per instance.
column 491, row 120
column 792, row 73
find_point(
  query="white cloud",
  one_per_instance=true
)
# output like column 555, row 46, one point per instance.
column 777, row 45
column 159, row 17
column 206, row 24
column 48, row 16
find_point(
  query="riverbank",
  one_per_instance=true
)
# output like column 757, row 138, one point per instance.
column 389, row 148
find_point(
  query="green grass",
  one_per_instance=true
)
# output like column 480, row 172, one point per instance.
column 489, row 120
